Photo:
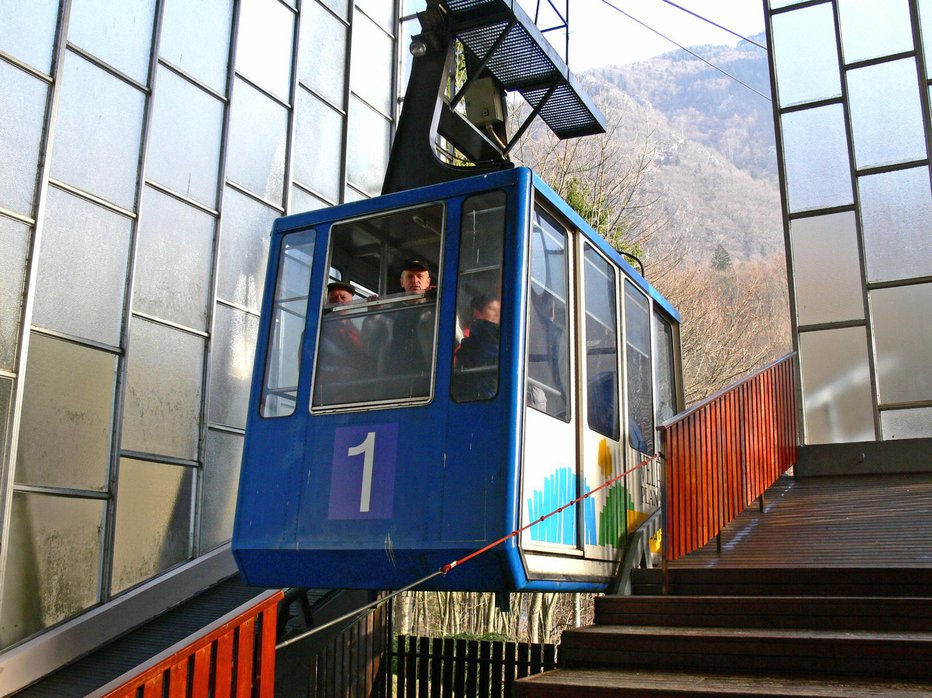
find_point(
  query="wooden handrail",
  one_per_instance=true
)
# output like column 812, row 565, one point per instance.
column 723, row 453
column 240, row 646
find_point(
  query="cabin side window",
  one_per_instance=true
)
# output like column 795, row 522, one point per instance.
column 378, row 325
column 666, row 368
column 640, row 394
column 548, row 339
column 479, row 298
column 601, row 345
column 286, row 330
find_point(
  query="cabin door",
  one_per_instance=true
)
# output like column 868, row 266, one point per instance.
column 550, row 470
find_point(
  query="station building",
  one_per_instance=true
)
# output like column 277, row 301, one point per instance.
column 146, row 146
column 854, row 138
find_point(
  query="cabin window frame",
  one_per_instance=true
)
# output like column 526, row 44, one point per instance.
column 478, row 379
column 637, row 402
column 365, row 314
column 280, row 345
column 536, row 314
column 614, row 332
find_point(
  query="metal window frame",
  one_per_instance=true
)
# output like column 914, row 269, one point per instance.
column 924, row 83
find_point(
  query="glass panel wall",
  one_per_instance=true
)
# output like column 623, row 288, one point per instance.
column 805, row 57
column 120, row 34
column 103, row 160
column 880, row 96
column 153, row 520
column 27, row 31
column 82, row 275
column 815, row 153
column 861, row 255
column 826, row 268
column 67, row 418
column 167, row 164
column 185, row 139
column 870, row 29
column 14, row 239
column 902, row 342
column 897, row 238
column 54, row 548
column 170, row 229
column 836, row 386
column 196, row 38
column 21, row 120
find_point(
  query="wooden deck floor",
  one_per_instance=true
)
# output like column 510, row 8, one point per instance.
column 852, row 521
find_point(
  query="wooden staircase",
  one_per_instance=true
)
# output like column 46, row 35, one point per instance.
column 744, row 632
column 826, row 593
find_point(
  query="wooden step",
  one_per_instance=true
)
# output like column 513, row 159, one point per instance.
column 858, row 653
column 804, row 612
column 785, row 581
column 605, row 683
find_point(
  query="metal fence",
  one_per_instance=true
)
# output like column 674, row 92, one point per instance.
column 355, row 663
column 445, row 667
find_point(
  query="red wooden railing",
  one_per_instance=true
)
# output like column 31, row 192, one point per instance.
column 723, row 453
column 235, row 656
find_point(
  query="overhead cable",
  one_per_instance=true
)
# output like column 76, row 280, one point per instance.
column 714, row 24
column 691, row 53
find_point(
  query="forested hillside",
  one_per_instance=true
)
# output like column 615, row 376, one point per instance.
column 714, row 155
column 685, row 178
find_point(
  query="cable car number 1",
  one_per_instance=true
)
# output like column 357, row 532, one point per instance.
column 367, row 449
column 362, row 478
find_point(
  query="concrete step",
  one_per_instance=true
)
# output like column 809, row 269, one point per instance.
column 617, row 682
column 786, row 581
column 804, row 612
column 845, row 652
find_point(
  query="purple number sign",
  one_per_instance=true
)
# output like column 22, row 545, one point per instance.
column 362, row 482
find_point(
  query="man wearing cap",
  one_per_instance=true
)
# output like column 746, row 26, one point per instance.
column 415, row 276
column 342, row 356
column 339, row 293
column 410, row 348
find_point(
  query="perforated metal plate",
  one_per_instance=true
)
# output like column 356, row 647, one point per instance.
column 524, row 61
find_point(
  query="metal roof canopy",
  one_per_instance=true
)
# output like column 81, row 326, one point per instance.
column 501, row 43
column 508, row 44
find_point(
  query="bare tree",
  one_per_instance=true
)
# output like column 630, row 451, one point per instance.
column 734, row 320
column 605, row 178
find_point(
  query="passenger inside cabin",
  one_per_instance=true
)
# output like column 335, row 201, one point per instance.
column 340, row 293
column 343, row 335
column 415, row 277
column 410, row 344
column 343, row 353
column 476, row 359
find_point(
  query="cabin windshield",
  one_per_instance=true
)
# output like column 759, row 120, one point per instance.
column 377, row 338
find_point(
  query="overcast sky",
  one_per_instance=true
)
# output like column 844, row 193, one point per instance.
column 599, row 35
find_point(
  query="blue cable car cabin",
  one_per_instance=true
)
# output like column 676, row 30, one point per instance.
column 395, row 433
